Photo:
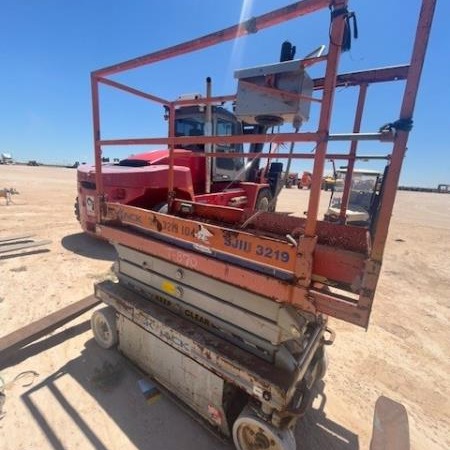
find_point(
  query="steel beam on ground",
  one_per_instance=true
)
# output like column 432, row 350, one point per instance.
column 46, row 325
column 22, row 246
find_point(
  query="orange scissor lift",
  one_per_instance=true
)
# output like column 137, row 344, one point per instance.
column 239, row 299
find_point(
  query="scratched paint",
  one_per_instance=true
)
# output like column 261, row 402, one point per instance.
column 208, row 238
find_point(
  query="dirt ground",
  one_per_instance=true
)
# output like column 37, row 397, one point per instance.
column 87, row 398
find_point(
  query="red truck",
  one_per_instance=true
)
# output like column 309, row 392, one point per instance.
column 142, row 180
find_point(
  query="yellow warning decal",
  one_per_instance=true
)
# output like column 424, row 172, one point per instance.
column 169, row 288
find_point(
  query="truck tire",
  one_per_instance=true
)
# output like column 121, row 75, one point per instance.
column 162, row 208
column 263, row 200
column 77, row 209
column 104, row 327
column 252, row 432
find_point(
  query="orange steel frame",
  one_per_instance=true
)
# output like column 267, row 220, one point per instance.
column 297, row 270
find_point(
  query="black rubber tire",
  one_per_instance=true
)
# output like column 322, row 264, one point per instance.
column 77, row 209
column 263, row 200
column 162, row 208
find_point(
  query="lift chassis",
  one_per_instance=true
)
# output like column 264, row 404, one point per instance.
column 227, row 308
column 217, row 379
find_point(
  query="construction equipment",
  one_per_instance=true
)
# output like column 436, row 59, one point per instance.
column 363, row 200
column 291, row 180
column 305, row 180
column 6, row 158
column 141, row 180
column 329, row 181
column 227, row 308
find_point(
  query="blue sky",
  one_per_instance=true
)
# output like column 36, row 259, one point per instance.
column 48, row 49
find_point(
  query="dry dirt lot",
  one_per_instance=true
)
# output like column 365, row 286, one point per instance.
column 87, row 398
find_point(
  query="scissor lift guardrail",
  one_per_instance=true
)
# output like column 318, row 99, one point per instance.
column 322, row 272
column 318, row 267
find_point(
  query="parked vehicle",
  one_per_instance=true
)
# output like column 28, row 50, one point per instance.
column 363, row 197
column 6, row 158
column 291, row 180
column 305, row 180
column 142, row 179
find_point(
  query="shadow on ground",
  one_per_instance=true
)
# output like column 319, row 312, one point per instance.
column 113, row 382
column 9, row 358
column 85, row 245
column 316, row 431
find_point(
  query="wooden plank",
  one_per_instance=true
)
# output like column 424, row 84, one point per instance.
column 19, row 246
column 46, row 325
column 16, row 237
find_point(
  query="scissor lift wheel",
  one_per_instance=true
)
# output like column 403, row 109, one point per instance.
column 252, row 433
column 104, row 327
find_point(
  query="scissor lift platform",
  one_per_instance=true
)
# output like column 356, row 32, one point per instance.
column 185, row 260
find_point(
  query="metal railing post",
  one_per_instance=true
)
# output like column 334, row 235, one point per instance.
column 337, row 30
